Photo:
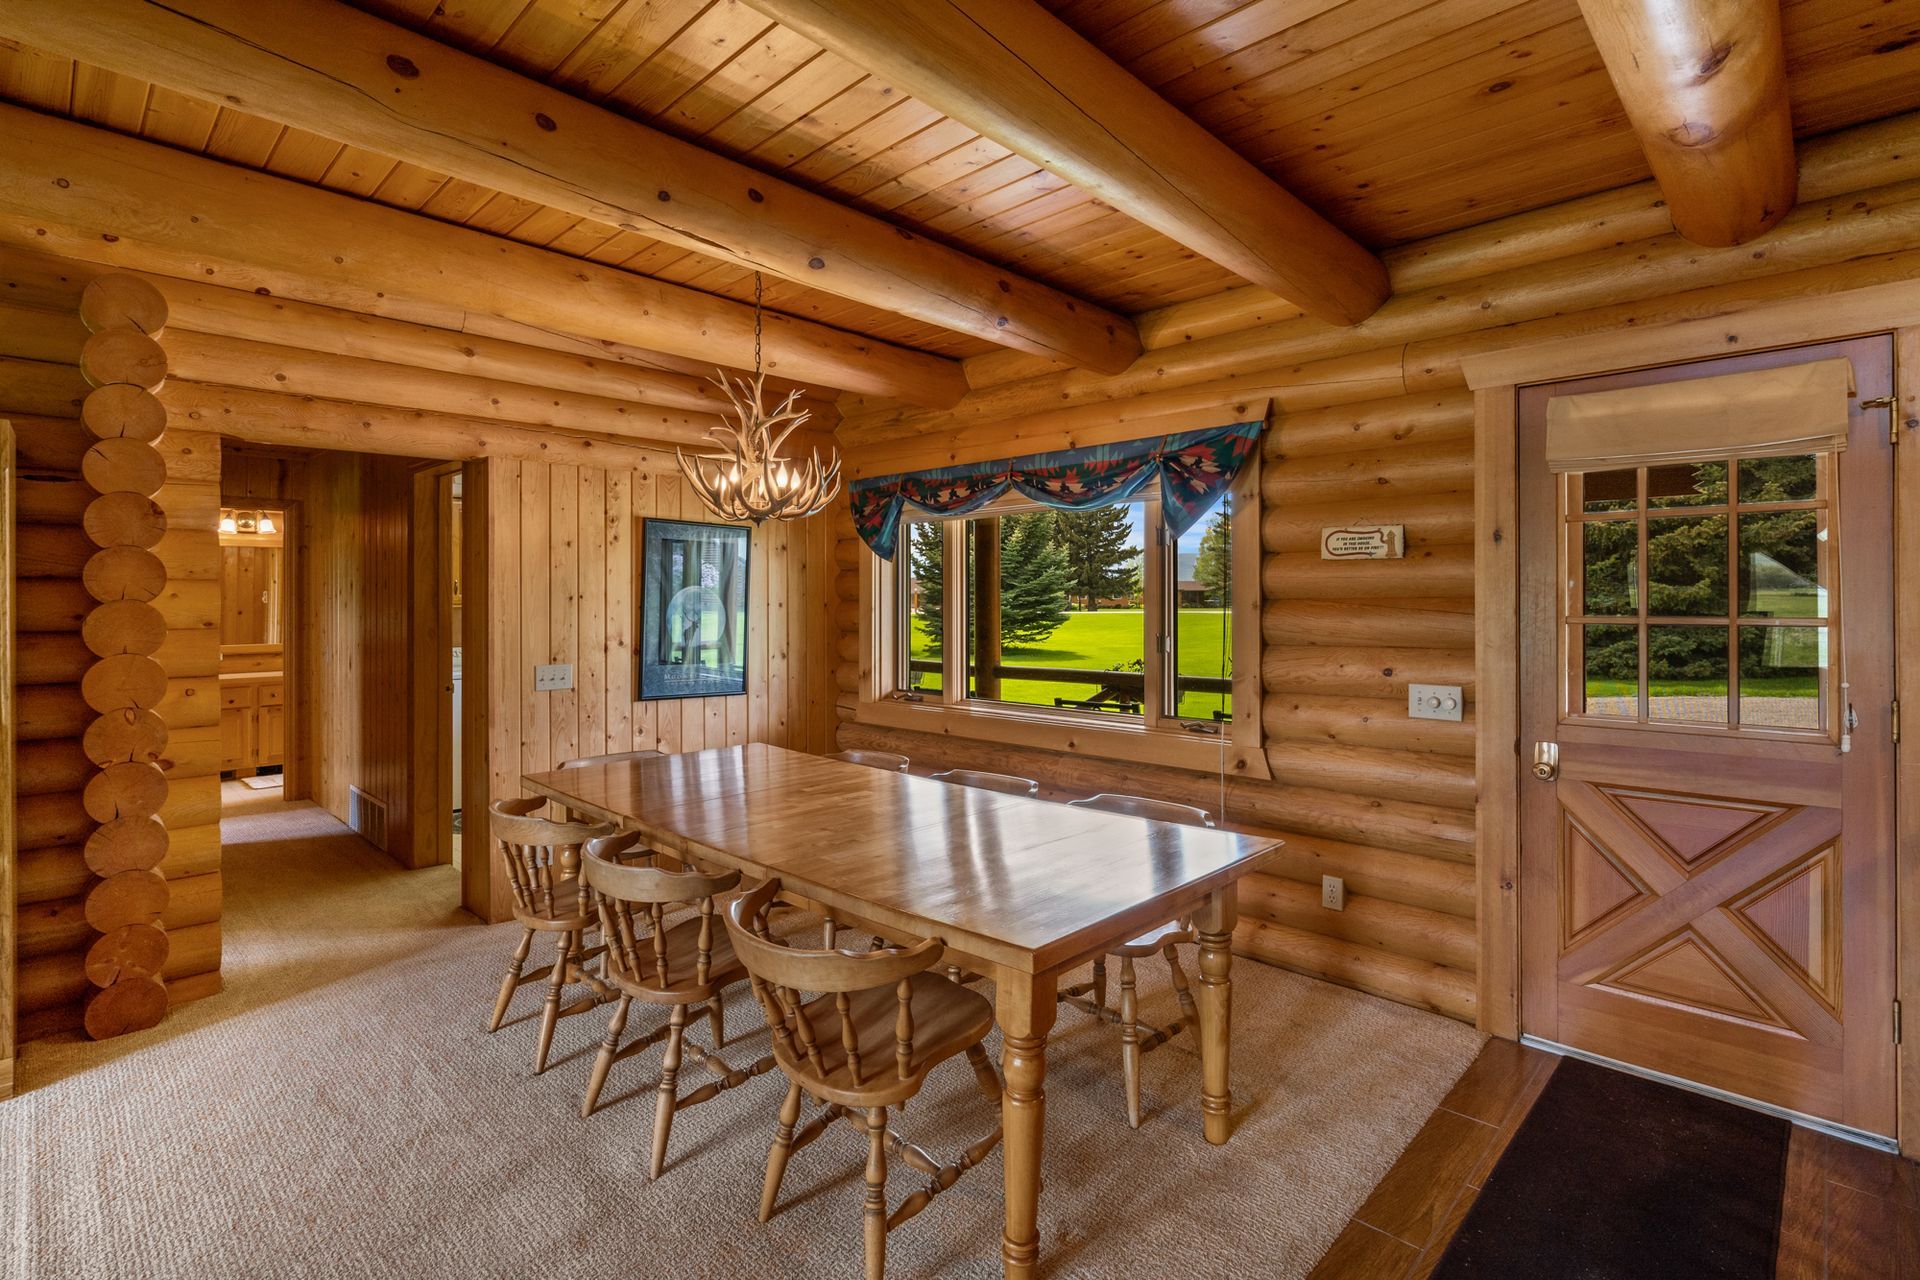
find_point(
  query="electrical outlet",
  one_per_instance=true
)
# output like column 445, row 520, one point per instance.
column 1333, row 893
column 558, row 675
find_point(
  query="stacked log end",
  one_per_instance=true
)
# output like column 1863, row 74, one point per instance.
column 124, row 364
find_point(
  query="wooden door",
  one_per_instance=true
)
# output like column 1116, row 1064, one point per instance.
column 1707, row 886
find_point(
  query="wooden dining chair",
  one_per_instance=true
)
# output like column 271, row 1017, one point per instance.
column 685, row 967
column 547, row 898
column 889, row 760
column 1092, row 996
column 989, row 781
column 587, row 762
column 864, row 1040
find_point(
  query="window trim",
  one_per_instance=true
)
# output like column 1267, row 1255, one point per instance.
column 1238, row 750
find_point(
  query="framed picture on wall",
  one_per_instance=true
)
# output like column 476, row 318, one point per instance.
column 693, row 609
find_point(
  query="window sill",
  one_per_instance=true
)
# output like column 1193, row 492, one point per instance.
column 1076, row 735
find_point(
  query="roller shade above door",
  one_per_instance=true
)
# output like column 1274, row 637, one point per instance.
column 1763, row 413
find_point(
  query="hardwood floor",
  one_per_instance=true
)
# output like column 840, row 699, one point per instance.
column 1848, row 1213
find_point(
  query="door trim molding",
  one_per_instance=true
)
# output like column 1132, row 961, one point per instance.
column 1878, row 1142
column 1495, row 378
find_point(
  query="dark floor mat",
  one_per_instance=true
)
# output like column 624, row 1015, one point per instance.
column 1612, row 1177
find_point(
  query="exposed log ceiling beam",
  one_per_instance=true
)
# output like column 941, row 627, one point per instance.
column 345, row 75
column 105, row 198
column 1705, row 85
column 1023, row 78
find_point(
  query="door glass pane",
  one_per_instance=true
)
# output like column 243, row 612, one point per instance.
column 1610, row 567
column 925, row 612
column 1687, row 566
column 1610, row 663
column 1783, row 677
column 1687, row 674
column 1795, row 479
column 1609, row 490
column 1780, row 565
column 1689, row 484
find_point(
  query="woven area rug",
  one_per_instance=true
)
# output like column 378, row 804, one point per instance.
column 338, row 1111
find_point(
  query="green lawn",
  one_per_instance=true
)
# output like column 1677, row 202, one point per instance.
column 1106, row 640
column 1752, row 686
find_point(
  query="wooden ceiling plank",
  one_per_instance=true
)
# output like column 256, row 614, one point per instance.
column 876, row 171
column 1144, row 33
column 358, row 172
column 36, row 77
column 1705, row 86
column 839, row 115
column 116, row 101
column 301, row 155
column 1310, row 39
column 475, row 25
column 456, row 200
column 546, row 35
column 1011, row 70
column 98, row 196
column 605, row 59
column 409, row 186
column 813, row 82
column 685, row 61
column 377, row 86
column 952, row 166
column 584, row 238
column 894, row 125
column 1226, row 36
column 501, row 214
column 735, row 86
column 1484, row 50
column 178, row 120
column 239, row 138
column 546, row 227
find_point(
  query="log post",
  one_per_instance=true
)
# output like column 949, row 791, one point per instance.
column 125, row 364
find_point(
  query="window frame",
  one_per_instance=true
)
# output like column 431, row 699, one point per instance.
column 1150, row 738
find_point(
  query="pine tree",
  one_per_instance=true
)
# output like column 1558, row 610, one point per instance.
column 1213, row 566
column 1098, row 551
column 1033, row 579
column 927, row 547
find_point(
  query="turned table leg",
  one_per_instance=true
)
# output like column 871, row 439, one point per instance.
column 1214, row 924
column 1025, row 1011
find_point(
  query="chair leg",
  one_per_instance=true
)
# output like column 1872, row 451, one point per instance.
column 984, row 1074
column 780, row 1152
column 616, row 1026
column 669, row 1089
column 512, row 980
column 1187, row 1008
column 876, row 1202
column 1099, row 993
column 717, row 1020
column 1130, row 1040
column 550, row 1015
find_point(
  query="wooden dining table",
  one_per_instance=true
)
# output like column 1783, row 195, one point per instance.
column 1020, row 890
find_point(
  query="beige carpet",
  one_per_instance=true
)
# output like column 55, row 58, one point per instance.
column 338, row 1111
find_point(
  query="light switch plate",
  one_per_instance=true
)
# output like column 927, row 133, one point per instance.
column 1435, row 701
column 1333, row 893
column 558, row 675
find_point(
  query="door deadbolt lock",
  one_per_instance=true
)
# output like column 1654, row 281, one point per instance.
column 1546, row 761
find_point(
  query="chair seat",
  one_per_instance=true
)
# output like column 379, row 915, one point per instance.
column 568, row 912
column 1154, row 941
column 683, row 956
column 947, row 1019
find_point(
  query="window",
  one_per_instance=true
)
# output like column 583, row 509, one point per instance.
column 1698, row 593
column 1080, row 613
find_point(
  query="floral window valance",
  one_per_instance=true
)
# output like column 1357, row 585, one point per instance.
column 1195, row 468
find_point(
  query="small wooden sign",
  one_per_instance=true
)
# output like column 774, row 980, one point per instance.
column 1364, row 542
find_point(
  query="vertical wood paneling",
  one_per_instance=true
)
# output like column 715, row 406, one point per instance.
column 7, row 732
column 562, row 548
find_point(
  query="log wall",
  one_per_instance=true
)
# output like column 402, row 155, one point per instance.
column 1374, row 423
column 115, row 785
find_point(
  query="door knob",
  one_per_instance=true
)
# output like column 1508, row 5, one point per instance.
column 1546, row 761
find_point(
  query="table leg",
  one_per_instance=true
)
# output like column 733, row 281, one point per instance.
column 1214, row 924
column 1024, row 1007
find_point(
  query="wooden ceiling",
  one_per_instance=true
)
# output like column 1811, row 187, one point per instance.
column 1397, row 119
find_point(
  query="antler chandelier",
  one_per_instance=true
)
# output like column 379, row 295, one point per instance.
column 746, row 478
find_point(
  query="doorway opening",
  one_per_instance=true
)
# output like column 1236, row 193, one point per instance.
column 257, row 649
